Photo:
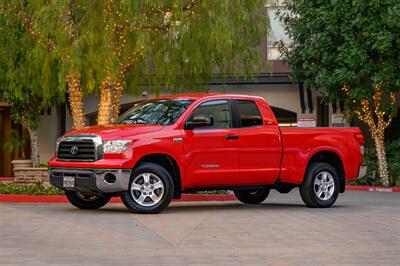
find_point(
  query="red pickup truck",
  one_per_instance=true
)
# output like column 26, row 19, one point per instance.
column 169, row 145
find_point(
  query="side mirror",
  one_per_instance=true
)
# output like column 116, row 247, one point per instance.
column 199, row 121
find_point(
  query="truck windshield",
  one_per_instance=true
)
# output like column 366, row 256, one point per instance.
column 157, row 112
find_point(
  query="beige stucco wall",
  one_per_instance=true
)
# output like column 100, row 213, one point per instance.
column 280, row 95
column 49, row 131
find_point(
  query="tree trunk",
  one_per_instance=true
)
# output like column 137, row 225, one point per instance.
column 35, row 155
column 381, row 155
column 117, row 94
column 372, row 113
column 106, row 103
column 76, row 100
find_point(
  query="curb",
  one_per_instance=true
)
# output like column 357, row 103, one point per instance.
column 373, row 188
column 10, row 198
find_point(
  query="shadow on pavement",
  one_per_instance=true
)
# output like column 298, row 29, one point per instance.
column 188, row 207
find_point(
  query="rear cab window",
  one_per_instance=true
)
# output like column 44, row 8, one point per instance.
column 248, row 113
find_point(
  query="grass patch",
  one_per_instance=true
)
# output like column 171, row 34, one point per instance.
column 33, row 189
column 40, row 189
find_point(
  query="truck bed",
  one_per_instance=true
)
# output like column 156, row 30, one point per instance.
column 300, row 144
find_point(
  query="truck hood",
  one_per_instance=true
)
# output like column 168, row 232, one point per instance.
column 116, row 131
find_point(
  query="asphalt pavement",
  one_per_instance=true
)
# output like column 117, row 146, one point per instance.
column 362, row 228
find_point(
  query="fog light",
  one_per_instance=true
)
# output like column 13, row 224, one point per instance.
column 110, row 178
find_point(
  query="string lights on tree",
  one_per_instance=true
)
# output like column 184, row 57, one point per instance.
column 100, row 43
column 76, row 100
column 113, row 85
column 75, row 91
column 373, row 114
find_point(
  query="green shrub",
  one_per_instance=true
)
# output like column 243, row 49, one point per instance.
column 35, row 189
column 393, row 161
column 370, row 179
column 41, row 165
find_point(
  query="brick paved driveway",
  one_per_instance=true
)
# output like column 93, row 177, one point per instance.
column 362, row 228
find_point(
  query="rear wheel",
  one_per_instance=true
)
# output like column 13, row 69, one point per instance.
column 150, row 189
column 252, row 196
column 320, row 188
column 86, row 201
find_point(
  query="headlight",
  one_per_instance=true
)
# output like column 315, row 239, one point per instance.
column 116, row 146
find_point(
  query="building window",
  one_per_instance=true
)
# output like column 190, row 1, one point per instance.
column 276, row 32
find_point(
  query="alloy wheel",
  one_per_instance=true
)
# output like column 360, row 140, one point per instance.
column 147, row 189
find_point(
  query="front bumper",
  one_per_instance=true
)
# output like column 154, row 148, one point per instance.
column 362, row 171
column 91, row 179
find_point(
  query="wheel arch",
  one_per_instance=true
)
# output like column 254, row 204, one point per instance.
column 334, row 159
column 170, row 164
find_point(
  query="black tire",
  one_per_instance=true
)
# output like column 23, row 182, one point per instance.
column 156, row 171
column 251, row 196
column 308, row 188
column 85, row 201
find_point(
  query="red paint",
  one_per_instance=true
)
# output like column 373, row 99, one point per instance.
column 374, row 188
column 259, row 156
column 6, row 179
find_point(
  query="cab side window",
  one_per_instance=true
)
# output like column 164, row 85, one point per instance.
column 218, row 110
column 249, row 115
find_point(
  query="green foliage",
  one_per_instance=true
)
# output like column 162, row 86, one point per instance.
column 179, row 48
column 393, row 154
column 223, row 37
column 393, row 159
column 15, row 143
column 28, row 75
column 370, row 161
column 41, row 165
column 337, row 42
column 35, row 189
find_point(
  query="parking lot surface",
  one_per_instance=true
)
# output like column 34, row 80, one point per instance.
column 362, row 228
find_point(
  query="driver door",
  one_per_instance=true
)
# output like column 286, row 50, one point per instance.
column 211, row 153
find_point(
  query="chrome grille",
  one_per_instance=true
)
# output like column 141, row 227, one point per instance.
column 82, row 150
column 79, row 148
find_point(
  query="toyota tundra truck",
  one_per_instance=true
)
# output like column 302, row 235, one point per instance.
column 168, row 145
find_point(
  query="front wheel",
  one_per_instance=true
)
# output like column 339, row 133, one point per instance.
column 251, row 196
column 150, row 189
column 320, row 187
column 86, row 201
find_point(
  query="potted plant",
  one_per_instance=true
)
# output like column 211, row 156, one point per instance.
column 16, row 144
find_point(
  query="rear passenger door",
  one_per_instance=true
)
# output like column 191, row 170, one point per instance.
column 260, row 146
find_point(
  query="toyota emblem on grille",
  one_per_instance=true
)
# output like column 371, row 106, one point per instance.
column 74, row 150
